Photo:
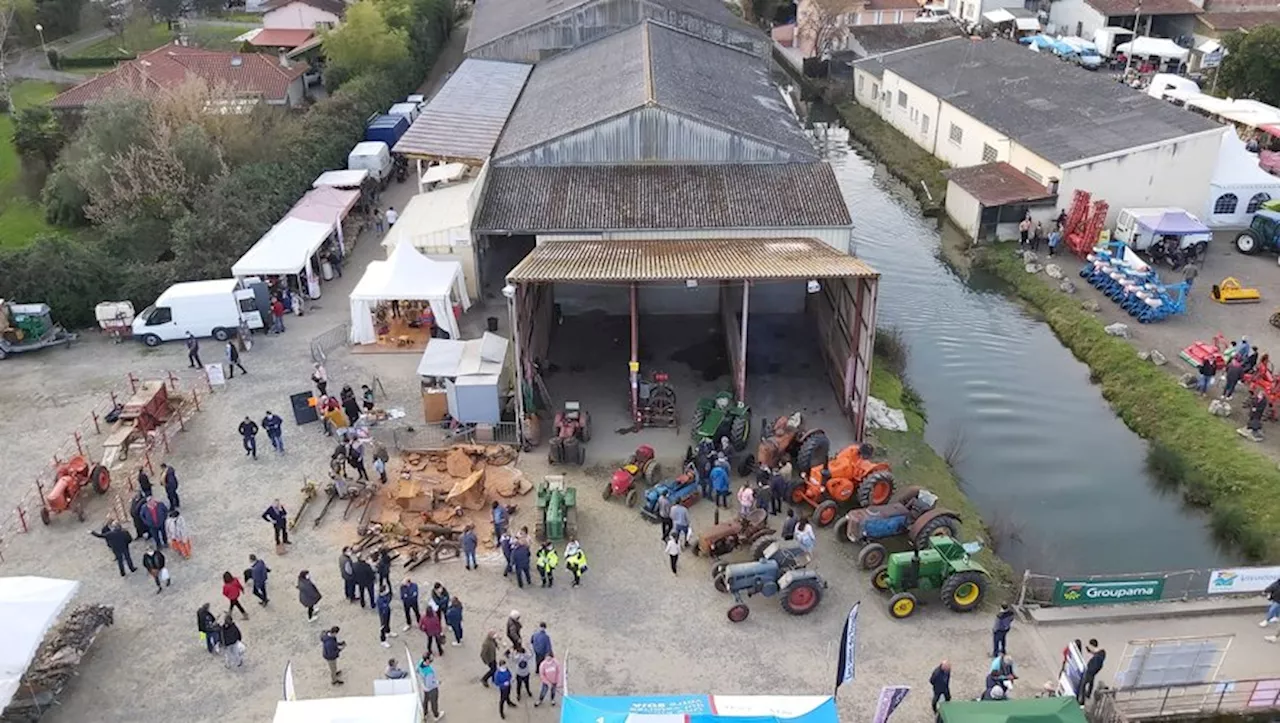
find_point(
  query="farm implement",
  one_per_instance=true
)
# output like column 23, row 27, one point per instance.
column 1116, row 271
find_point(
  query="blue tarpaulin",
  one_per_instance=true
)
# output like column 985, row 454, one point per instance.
column 700, row 709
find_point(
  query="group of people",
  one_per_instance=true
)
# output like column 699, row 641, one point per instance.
column 161, row 524
column 1031, row 234
column 518, row 664
column 517, row 553
column 1242, row 358
column 248, row 431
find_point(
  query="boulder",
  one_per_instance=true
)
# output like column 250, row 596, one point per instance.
column 1158, row 359
column 1220, row 408
column 1033, row 268
column 458, row 463
column 1144, row 355
column 1117, row 329
column 883, row 416
column 1090, row 305
column 1188, row 380
column 1029, row 257
column 1053, row 271
column 1067, row 287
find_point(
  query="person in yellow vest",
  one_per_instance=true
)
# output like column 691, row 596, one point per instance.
column 547, row 561
column 575, row 560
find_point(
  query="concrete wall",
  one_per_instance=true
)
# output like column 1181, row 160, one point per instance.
column 671, row 299
column 298, row 16
column 1064, row 15
column 963, row 210
column 297, row 93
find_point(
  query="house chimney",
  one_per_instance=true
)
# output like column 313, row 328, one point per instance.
column 284, row 59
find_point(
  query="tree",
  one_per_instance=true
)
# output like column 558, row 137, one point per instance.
column 167, row 10
column 11, row 14
column 364, row 42
column 819, row 28
column 38, row 136
column 1251, row 68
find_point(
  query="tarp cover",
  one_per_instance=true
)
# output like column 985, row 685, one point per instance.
column 455, row 358
column 1173, row 223
column 1159, row 47
column 1029, row 710
column 349, row 178
column 700, row 709
column 285, row 249
column 325, row 204
column 407, row 275
column 28, row 606
column 368, row 709
column 999, row 15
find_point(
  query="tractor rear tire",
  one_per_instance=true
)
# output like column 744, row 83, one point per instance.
column 447, row 550
column 880, row 578
column 964, row 591
column 718, row 569
column 740, row 431
column 906, row 494
column 902, row 605
column 802, row 598
column 795, row 492
column 1248, row 243
column 825, row 513
column 608, row 491
column 875, row 489
column 748, row 466
column 739, row 613
column 842, row 530
column 633, row 496
column 872, row 556
column 699, row 416
column 757, row 549
column 814, row 452
column 652, row 473
column 720, row 584
column 941, row 525
column 100, row 479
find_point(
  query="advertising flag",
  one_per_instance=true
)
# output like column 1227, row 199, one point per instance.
column 845, row 668
column 891, row 697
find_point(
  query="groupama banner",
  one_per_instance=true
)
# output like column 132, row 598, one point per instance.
column 1107, row 592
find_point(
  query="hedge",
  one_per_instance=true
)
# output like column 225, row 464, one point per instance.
column 102, row 61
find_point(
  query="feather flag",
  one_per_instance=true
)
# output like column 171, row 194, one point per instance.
column 891, row 697
column 845, row 668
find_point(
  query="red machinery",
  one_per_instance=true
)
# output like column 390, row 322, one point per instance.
column 1264, row 379
column 640, row 465
column 1084, row 228
column 146, row 410
column 571, row 432
column 72, row 477
column 851, row 474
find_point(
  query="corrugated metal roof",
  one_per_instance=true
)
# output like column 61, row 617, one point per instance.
column 709, row 259
column 997, row 184
column 465, row 118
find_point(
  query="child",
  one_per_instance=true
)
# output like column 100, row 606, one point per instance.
column 179, row 537
column 502, row 678
column 522, row 661
column 367, row 394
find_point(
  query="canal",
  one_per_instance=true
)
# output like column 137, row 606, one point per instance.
column 1055, row 473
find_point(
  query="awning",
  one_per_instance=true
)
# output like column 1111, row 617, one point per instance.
column 464, row 119
column 341, row 179
column 454, row 358
column 285, row 249
column 999, row 15
column 368, row 709
column 438, row 219
column 325, row 205
column 444, row 172
column 699, row 259
column 1173, row 223
column 1026, row 23
column 1158, row 47
column 29, row 606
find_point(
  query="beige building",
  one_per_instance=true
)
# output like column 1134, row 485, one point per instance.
column 823, row 26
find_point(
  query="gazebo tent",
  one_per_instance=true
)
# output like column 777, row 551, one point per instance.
column 438, row 219
column 325, row 204
column 350, row 178
column 286, row 249
column 1238, row 184
column 407, row 275
column 700, row 709
column 1158, row 47
column 29, row 606
column 367, row 709
column 1058, row 709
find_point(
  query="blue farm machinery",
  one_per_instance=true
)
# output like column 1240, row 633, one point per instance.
column 557, row 509
column 1116, row 271
column 683, row 490
column 913, row 514
column 781, row 571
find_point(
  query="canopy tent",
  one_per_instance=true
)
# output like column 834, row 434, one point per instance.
column 341, row 179
column 1028, row 710
column 286, row 249
column 999, row 15
column 325, row 204
column 1176, row 87
column 29, row 606
column 437, row 219
column 700, row 709
column 472, row 374
column 1238, row 183
column 1026, row 23
column 368, row 709
column 443, row 172
column 1159, row 47
column 1173, row 223
column 1039, row 42
column 407, row 275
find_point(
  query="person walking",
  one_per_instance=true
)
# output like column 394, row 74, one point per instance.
column 384, row 616
column 170, row 478
column 664, row 514
column 346, row 569
column 330, row 650
column 1097, row 659
column 547, row 562
column 522, row 667
column 277, row 315
column 193, row 352
column 520, row 562
column 117, row 540
column 384, row 568
column 308, row 594
column 274, row 427
column 380, row 469
column 575, row 560
column 278, row 516
column 541, row 642
column 1235, row 371
column 379, row 223
column 320, row 378
column 175, row 528
column 940, row 680
column 453, row 618
column 392, row 216
column 1206, row 370
column 232, row 643
column 1257, row 408
column 144, row 483
column 135, row 513
column 258, row 572
column 430, row 687
column 249, row 437
column 502, row 679
column 789, row 526
column 154, row 515
column 805, row 536
column 1271, row 593
column 673, row 552
column 430, row 624
column 1000, row 631
column 514, row 627
column 489, row 656
column 777, row 492
column 746, row 500
column 355, row 458
column 720, row 485
column 364, row 577
column 499, row 515
column 505, row 544
column 232, row 589
column 469, row 544
column 153, row 562
column 210, row 630
column 551, row 675
column 233, row 360
column 409, row 599
column 680, row 523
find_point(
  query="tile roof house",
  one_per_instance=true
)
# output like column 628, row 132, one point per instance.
column 250, row 76
column 303, row 14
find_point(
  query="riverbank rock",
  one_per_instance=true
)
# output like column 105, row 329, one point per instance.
column 1053, row 271
column 1090, row 305
column 1117, row 329
column 1033, row 268
column 1067, row 287
column 1029, row 257
column 883, row 416
column 1220, row 408
column 1188, row 381
column 1144, row 355
column 1158, row 359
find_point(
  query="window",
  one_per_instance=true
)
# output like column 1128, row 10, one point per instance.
column 1033, row 175
column 161, row 315
column 875, row 90
column 914, row 114
column 988, row 154
column 924, row 125
column 1226, row 203
column 902, row 99
column 1256, row 202
column 860, row 83
column 956, row 134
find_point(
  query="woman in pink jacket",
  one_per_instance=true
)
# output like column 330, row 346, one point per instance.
column 552, row 676
column 431, row 625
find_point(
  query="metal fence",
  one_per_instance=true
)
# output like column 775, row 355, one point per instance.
column 1038, row 589
column 326, row 342
column 437, row 436
column 1253, row 696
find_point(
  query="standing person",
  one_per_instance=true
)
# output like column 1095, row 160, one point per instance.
column 392, row 216
column 499, row 519
column 720, row 485
column 502, row 679
column 1037, row 236
column 805, row 535
column 575, row 560
column 384, row 569
column 153, row 562
column 249, row 437
column 1002, row 673
column 522, row 666
column 135, row 513
column 520, row 562
column 664, row 514
column 541, row 643
column 940, row 680
column 384, row 616
column 1272, row 593
column 440, row 596
column 1024, row 231
column 514, row 626
column 366, row 396
column 1257, row 408
column 1097, row 658
column 355, row 458
column 1000, row 631
column 469, row 544
column 320, row 378
column 308, row 594
column 1207, row 370
column 489, row 656
column 505, row 544
column 330, row 649
column 346, row 568
column 117, row 540
column 364, row 577
column 789, row 525
column 1055, row 238
column 409, row 599
column 680, row 523
column 746, row 500
column 453, row 617
column 764, row 492
column 232, row 643
column 233, row 360
column 673, row 551
column 547, row 561
column 551, row 676
column 1235, row 370
column 193, row 352
column 154, row 516
column 144, row 483
column 430, row 687
column 232, row 589
column 209, row 629
column 277, row 315
column 274, row 427
column 170, row 478
column 777, row 491
column 378, row 222
column 380, row 469
column 430, row 624
column 258, row 572
column 278, row 516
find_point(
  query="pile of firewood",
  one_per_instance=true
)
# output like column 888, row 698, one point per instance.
column 56, row 661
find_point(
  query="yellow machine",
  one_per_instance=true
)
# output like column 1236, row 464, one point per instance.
column 1229, row 291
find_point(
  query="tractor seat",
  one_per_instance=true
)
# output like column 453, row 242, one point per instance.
column 757, row 516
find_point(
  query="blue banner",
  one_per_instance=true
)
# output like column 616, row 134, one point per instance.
column 845, row 667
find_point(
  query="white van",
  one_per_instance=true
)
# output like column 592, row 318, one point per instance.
column 1128, row 231
column 408, row 110
column 374, row 157
column 201, row 308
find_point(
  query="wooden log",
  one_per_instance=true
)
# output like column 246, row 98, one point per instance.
column 434, row 529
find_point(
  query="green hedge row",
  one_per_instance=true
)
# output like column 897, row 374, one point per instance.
column 104, row 61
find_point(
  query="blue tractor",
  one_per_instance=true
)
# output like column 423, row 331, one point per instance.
column 781, row 571
column 913, row 513
column 681, row 490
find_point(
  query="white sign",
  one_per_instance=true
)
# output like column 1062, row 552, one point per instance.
column 1242, row 579
column 217, row 377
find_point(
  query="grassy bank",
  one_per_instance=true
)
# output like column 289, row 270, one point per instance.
column 21, row 219
column 927, row 469
column 907, row 161
column 138, row 39
column 1192, row 450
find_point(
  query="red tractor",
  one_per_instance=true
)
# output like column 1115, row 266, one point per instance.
column 72, row 477
column 640, row 465
column 571, row 432
column 850, row 475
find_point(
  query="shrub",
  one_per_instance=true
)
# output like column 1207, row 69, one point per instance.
column 891, row 349
column 55, row 60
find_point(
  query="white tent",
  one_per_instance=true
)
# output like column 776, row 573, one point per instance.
column 438, row 219
column 999, row 15
column 367, row 709
column 407, row 275
column 285, row 249
column 1175, row 87
column 349, row 178
column 1159, row 47
column 28, row 606
column 1238, row 187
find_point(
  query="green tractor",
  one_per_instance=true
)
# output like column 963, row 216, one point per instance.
column 945, row 566
column 557, row 509
column 1262, row 235
column 722, row 416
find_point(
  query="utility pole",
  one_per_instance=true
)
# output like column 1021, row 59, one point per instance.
column 1128, row 57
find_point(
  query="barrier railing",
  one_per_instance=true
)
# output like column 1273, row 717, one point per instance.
column 1253, row 696
column 326, row 342
column 435, row 436
column 1037, row 589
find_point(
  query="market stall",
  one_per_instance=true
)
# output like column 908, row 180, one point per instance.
column 465, row 378
column 700, row 709
column 1170, row 53
column 406, row 298
column 330, row 205
column 348, row 178
column 289, row 249
column 1238, row 187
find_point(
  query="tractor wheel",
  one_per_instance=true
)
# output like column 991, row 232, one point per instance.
column 757, row 549
column 796, row 492
column 697, row 547
column 906, row 494
column 652, row 473
column 802, row 598
column 814, row 451
column 872, row 556
column 825, row 514
column 876, row 488
column 738, row 613
column 720, row 584
column 748, row 466
column 1248, row 243
column 739, row 431
column 964, row 591
column 699, row 416
column 942, row 525
column 447, row 550
column 1275, row 320
column 44, row 515
column 633, row 496
column 718, row 569
column 842, row 530
column 100, row 478
column 608, row 491
column 586, row 432
column 540, row 531
column 880, row 578
column 902, row 605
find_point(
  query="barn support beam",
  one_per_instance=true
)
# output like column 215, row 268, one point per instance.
column 633, row 366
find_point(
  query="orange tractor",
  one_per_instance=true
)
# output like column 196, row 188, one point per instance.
column 788, row 441
column 73, row 477
column 850, row 475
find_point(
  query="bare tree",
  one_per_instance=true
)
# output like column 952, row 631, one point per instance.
column 822, row 23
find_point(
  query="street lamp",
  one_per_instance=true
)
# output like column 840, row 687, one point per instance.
column 44, row 48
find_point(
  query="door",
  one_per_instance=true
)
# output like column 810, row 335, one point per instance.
column 160, row 322
column 247, row 304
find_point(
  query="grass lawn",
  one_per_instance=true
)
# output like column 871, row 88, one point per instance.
column 907, row 161
column 139, row 40
column 20, row 218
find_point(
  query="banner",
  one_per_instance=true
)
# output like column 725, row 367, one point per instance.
column 891, row 697
column 1242, row 579
column 1107, row 592
column 845, row 667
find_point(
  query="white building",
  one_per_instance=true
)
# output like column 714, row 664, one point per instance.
column 1161, row 18
column 303, row 14
column 975, row 102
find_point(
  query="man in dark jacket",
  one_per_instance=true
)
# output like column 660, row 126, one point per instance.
column 384, row 568
column 541, row 642
column 278, row 516
column 233, row 360
column 520, row 562
column 258, row 571
column 1000, row 631
column 153, row 562
column 514, row 627
column 1097, row 658
column 118, row 542
column 941, row 682
column 1273, row 610
column 154, row 513
column 789, row 526
column 170, row 484
column 330, row 649
column 364, row 576
column 144, row 483
column 409, row 599
column 777, row 492
column 275, row 430
column 208, row 624
column 384, row 616
column 249, row 437
column 135, row 511
column 346, row 568
column 193, row 352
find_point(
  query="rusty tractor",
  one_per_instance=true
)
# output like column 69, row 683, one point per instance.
column 787, row 441
column 725, row 537
column 850, row 476
column 913, row 513
column 73, row 476
column 639, row 466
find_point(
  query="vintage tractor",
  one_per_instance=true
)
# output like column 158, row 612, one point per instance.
column 944, row 565
column 913, row 513
column 721, row 417
column 683, row 490
column 657, row 403
column 72, row 477
column 779, row 571
column 725, row 537
column 788, row 440
column 639, row 466
column 851, row 475
column 571, row 432
column 1263, row 233
column 557, row 509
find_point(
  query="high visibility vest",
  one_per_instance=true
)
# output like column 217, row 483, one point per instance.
column 577, row 559
column 547, row 560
